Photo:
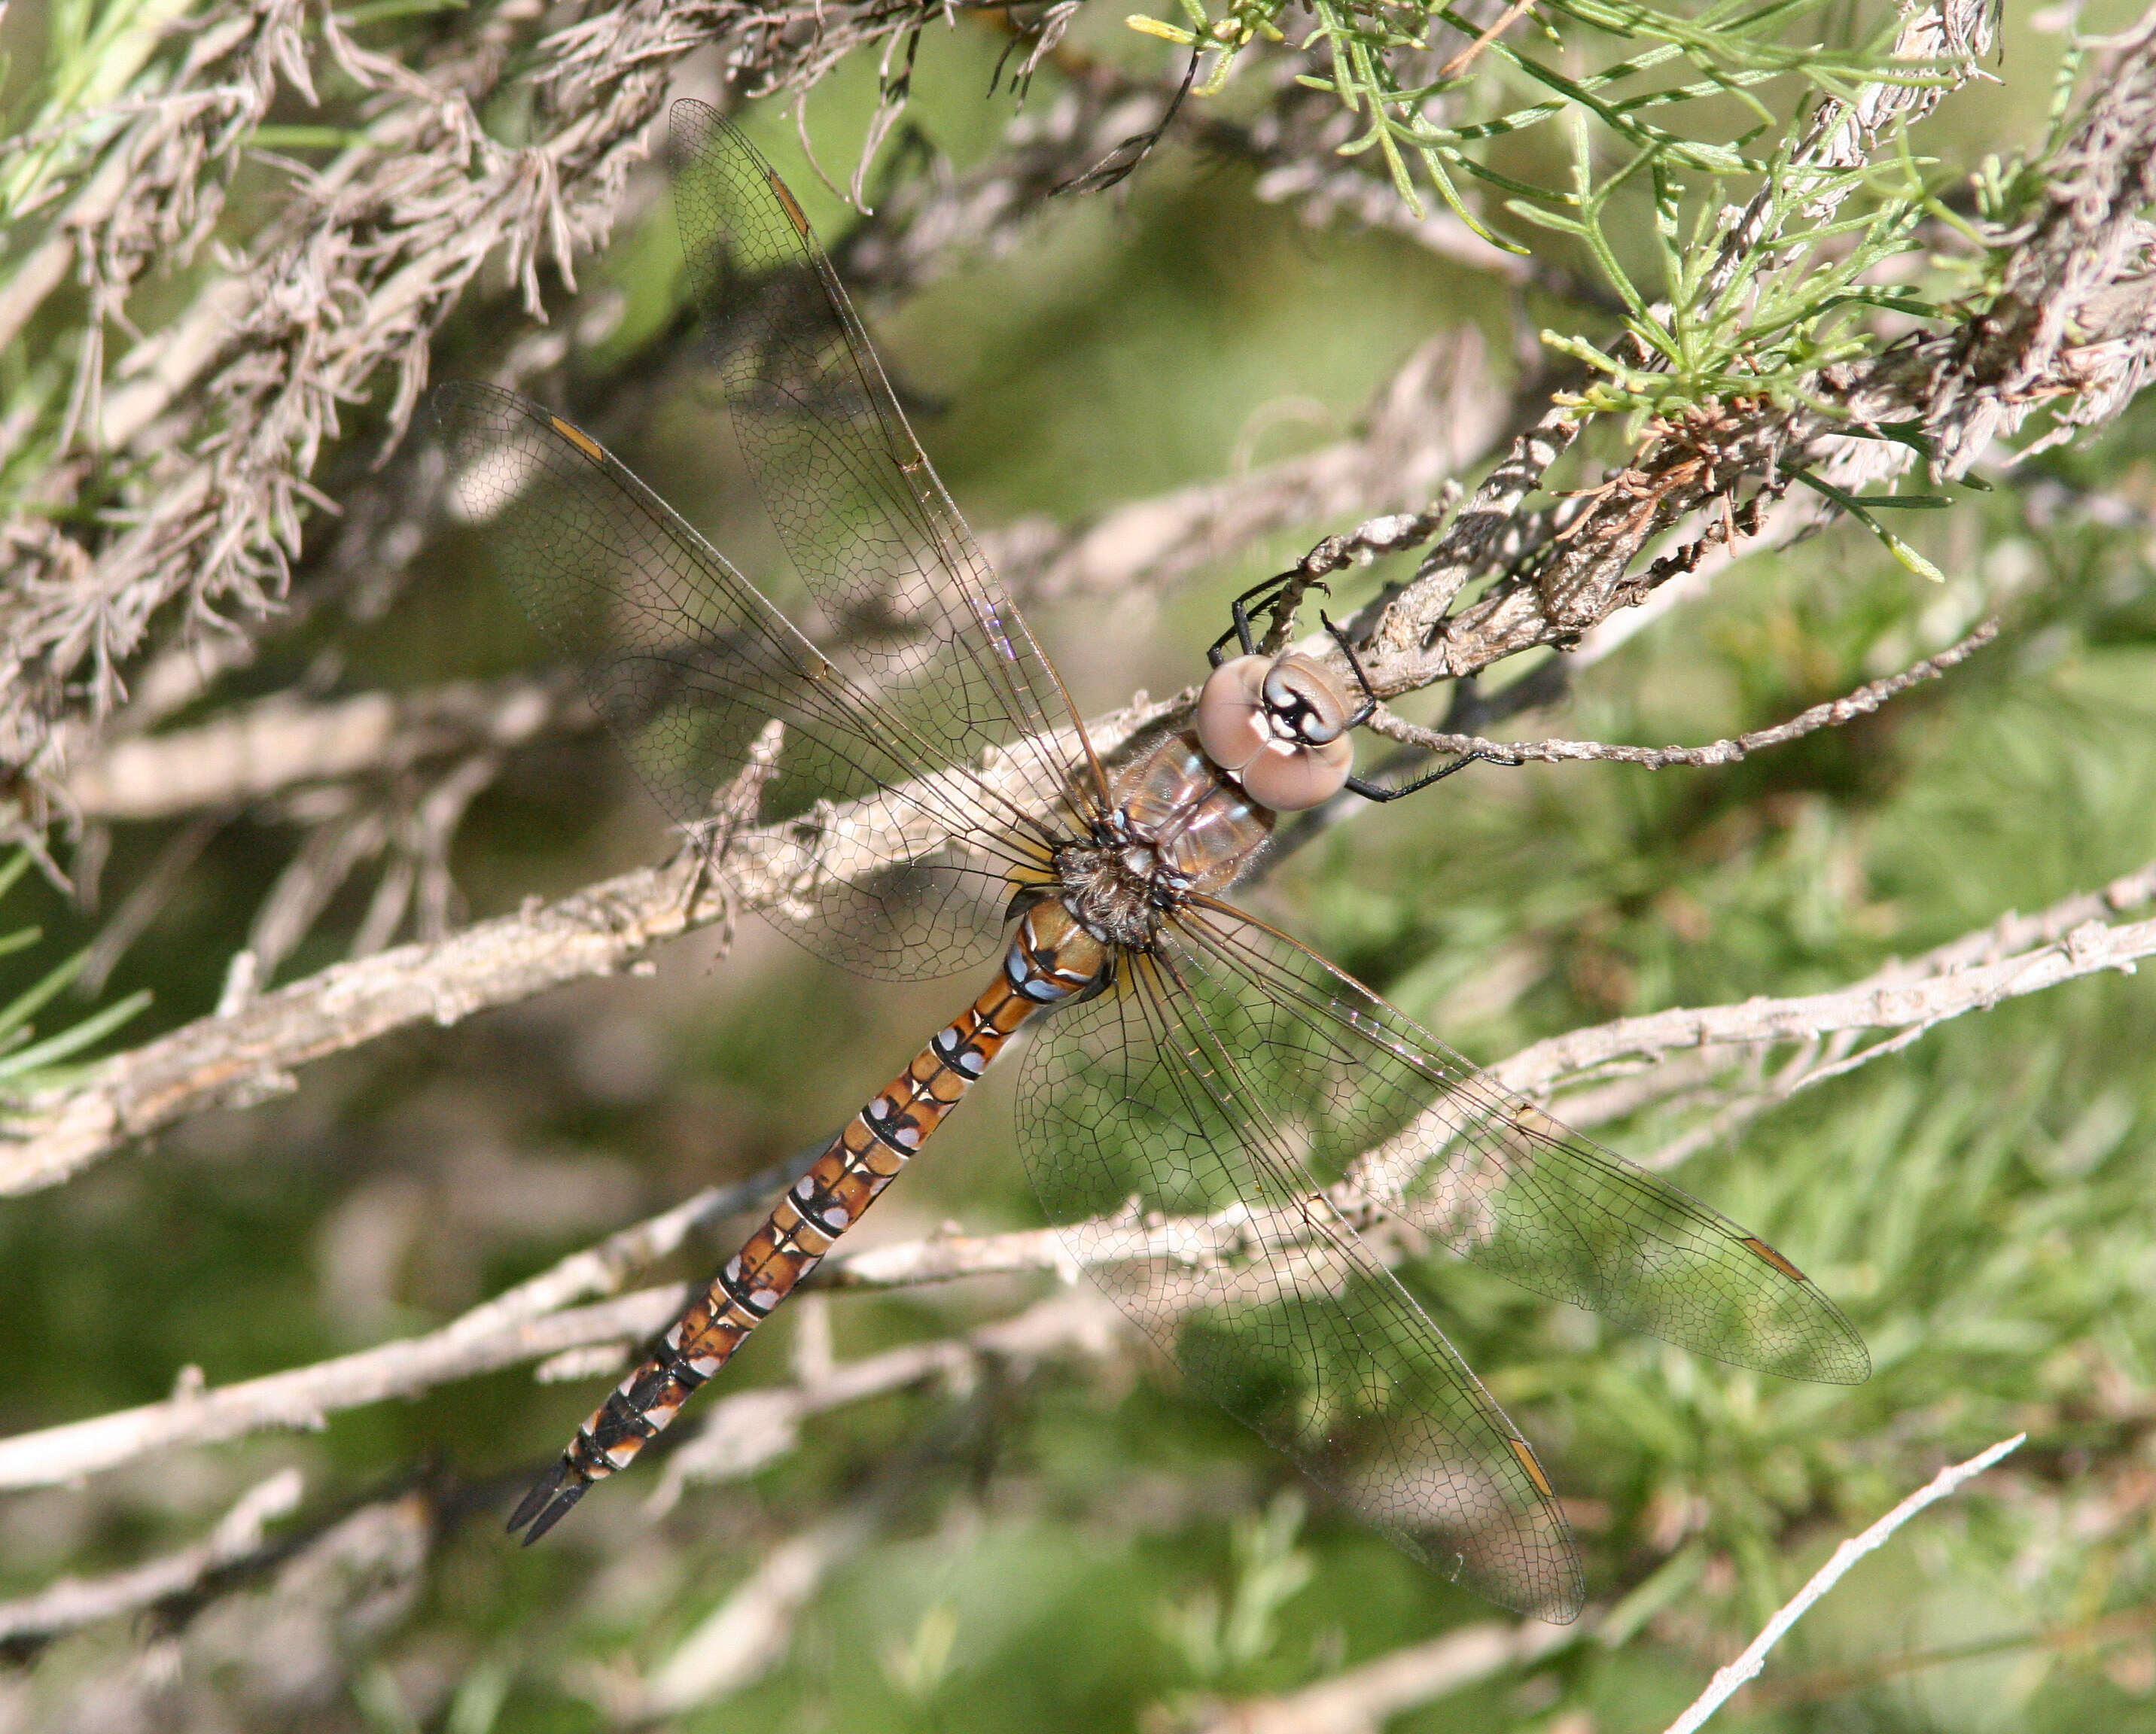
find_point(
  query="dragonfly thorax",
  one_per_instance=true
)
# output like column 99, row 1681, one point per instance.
column 1178, row 828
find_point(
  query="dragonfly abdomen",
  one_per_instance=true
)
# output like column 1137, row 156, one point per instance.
column 1050, row 959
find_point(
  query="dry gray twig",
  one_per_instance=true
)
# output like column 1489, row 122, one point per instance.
column 1906, row 998
column 1833, row 714
column 301, row 1399
column 1363, row 1699
column 1726, row 1680
column 529, row 1322
column 76, row 1602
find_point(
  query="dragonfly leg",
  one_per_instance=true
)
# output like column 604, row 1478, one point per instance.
column 1279, row 596
column 1377, row 791
column 1368, row 709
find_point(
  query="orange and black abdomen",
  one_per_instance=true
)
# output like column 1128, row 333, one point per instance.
column 1050, row 959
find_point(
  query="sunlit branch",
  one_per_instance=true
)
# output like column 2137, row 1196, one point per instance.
column 2017, row 956
column 1726, row 1680
column 1833, row 714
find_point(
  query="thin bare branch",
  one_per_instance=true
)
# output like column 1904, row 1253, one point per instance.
column 522, row 1323
column 1730, row 1085
column 1726, row 1680
column 601, row 1269
column 73, row 1603
column 2014, row 932
column 301, row 1399
column 1907, row 999
column 1362, row 1700
column 1833, row 714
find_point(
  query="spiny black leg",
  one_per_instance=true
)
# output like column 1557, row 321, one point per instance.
column 1372, row 792
column 1369, row 708
column 1239, row 630
column 1278, row 596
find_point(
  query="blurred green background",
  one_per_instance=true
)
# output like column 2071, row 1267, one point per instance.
column 1082, row 1548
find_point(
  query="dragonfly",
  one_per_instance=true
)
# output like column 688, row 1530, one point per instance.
column 1238, row 1139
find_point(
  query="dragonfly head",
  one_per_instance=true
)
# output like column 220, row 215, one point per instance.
column 1279, row 726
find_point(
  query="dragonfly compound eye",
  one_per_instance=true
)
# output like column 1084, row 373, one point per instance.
column 1303, row 702
column 1279, row 727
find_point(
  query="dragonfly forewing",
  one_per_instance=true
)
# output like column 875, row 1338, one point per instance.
column 869, row 529
column 898, row 862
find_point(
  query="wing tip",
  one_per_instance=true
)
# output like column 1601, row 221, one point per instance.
column 1849, row 1362
column 1553, row 1590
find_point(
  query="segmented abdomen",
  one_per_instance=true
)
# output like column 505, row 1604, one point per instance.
column 1048, row 962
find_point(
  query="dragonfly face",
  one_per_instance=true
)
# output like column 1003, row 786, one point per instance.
column 1280, row 725
column 1194, row 1066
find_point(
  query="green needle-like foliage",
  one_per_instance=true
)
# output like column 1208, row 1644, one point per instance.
column 26, row 1062
column 1378, row 53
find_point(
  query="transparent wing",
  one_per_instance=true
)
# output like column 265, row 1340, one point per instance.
column 899, row 863
column 869, row 528
column 1381, row 1112
column 1140, row 1117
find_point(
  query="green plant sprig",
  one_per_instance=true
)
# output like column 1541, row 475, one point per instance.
column 26, row 1063
column 1758, row 325
column 1731, row 45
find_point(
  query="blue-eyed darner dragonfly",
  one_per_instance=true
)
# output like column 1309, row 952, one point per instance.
column 1190, row 1063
